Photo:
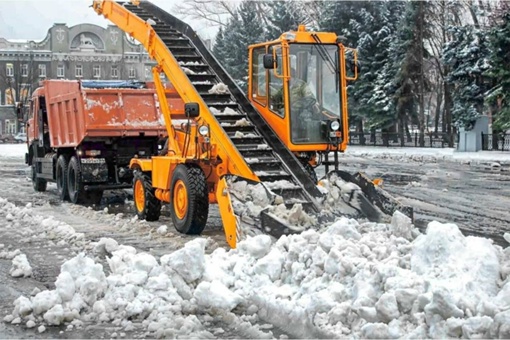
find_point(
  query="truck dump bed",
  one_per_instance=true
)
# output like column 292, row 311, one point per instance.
column 77, row 113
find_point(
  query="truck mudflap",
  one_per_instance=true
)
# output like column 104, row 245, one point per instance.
column 372, row 202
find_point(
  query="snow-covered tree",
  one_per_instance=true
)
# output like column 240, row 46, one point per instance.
column 284, row 16
column 242, row 30
column 466, row 56
column 500, row 72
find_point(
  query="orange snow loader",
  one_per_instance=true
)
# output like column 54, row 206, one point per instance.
column 225, row 141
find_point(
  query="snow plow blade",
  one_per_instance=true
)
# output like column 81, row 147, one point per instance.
column 374, row 202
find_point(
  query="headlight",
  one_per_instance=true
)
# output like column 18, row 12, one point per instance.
column 335, row 125
column 203, row 130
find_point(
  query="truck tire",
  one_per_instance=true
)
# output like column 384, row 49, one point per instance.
column 39, row 184
column 77, row 194
column 189, row 199
column 74, row 184
column 61, row 177
column 147, row 206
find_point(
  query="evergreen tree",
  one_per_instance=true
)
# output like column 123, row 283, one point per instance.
column 219, row 49
column 409, row 53
column 467, row 58
column 242, row 30
column 284, row 16
column 500, row 73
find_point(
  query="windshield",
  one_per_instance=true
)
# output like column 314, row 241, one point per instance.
column 314, row 90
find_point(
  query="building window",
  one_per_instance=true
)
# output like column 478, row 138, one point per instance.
column 148, row 72
column 9, row 70
column 10, row 127
column 61, row 71
column 24, row 70
column 96, row 71
column 115, row 71
column 132, row 72
column 24, row 93
column 10, row 96
column 42, row 70
column 79, row 71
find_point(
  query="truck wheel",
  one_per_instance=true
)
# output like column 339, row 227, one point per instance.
column 39, row 184
column 74, row 184
column 147, row 206
column 190, row 201
column 61, row 177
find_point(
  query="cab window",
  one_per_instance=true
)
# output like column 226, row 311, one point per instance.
column 259, row 86
column 276, row 94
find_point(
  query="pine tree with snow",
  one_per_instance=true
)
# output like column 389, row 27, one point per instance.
column 219, row 49
column 500, row 72
column 409, row 53
column 467, row 58
column 284, row 16
column 242, row 30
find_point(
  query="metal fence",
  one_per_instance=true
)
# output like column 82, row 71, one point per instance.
column 495, row 142
column 431, row 140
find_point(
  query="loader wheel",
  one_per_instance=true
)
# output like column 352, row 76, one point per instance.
column 190, row 201
column 61, row 174
column 39, row 184
column 147, row 206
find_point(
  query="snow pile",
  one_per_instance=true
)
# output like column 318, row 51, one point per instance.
column 219, row 88
column 250, row 200
column 350, row 280
column 341, row 197
column 20, row 267
column 226, row 112
column 39, row 226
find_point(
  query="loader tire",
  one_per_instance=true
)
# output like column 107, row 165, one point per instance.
column 147, row 206
column 189, row 199
column 61, row 177
column 39, row 184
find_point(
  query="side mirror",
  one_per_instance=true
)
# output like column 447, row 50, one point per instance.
column 192, row 110
column 269, row 62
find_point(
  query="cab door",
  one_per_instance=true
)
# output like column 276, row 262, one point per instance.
column 266, row 89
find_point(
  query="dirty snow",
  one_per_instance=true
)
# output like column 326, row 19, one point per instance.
column 349, row 280
column 219, row 88
column 20, row 267
column 428, row 154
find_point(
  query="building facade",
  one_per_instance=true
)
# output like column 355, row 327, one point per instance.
column 83, row 51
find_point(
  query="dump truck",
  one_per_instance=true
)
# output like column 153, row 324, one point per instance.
column 83, row 134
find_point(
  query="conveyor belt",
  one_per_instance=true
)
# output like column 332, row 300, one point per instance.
column 267, row 156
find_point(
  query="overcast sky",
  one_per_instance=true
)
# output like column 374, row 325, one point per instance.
column 31, row 19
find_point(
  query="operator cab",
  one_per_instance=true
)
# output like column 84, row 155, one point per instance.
column 298, row 83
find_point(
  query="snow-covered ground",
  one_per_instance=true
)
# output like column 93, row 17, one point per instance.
column 435, row 154
column 12, row 150
column 353, row 279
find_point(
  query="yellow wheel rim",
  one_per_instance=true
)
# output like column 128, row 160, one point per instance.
column 139, row 196
column 180, row 201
